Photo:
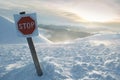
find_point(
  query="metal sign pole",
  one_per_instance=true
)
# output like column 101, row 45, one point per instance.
column 34, row 56
column 33, row 53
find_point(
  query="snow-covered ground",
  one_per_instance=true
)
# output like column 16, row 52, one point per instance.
column 95, row 57
column 92, row 58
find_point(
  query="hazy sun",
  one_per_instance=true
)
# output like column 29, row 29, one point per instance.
column 96, row 18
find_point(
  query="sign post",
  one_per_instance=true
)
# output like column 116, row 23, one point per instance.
column 34, row 56
column 26, row 26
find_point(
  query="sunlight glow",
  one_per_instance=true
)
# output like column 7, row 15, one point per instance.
column 91, row 18
column 62, row 42
column 94, row 17
column 99, row 42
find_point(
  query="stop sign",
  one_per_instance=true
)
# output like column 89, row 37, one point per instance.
column 26, row 25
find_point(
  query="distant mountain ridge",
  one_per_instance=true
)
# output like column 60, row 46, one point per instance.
column 61, row 33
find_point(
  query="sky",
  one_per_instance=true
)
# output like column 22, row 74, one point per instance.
column 88, row 13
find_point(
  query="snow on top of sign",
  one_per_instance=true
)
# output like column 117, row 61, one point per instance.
column 8, row 34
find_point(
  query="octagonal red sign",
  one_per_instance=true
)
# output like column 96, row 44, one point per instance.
column 26, row 25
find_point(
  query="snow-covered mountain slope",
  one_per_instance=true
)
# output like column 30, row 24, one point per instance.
column 92, row 58
column 8, row 34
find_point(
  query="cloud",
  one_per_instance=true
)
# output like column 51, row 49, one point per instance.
column 46, row 10
column 72, row 16
column 55, row 11
column 12, row 4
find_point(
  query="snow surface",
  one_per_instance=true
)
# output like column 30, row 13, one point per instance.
column 92, row 58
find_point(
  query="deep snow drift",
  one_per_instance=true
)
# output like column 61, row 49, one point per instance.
column 92, row 58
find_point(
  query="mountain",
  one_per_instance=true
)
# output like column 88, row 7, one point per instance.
column 8, row 34
column 95, row 57
column 63, row 33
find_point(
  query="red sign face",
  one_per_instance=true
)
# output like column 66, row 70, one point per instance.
column 26, row 25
